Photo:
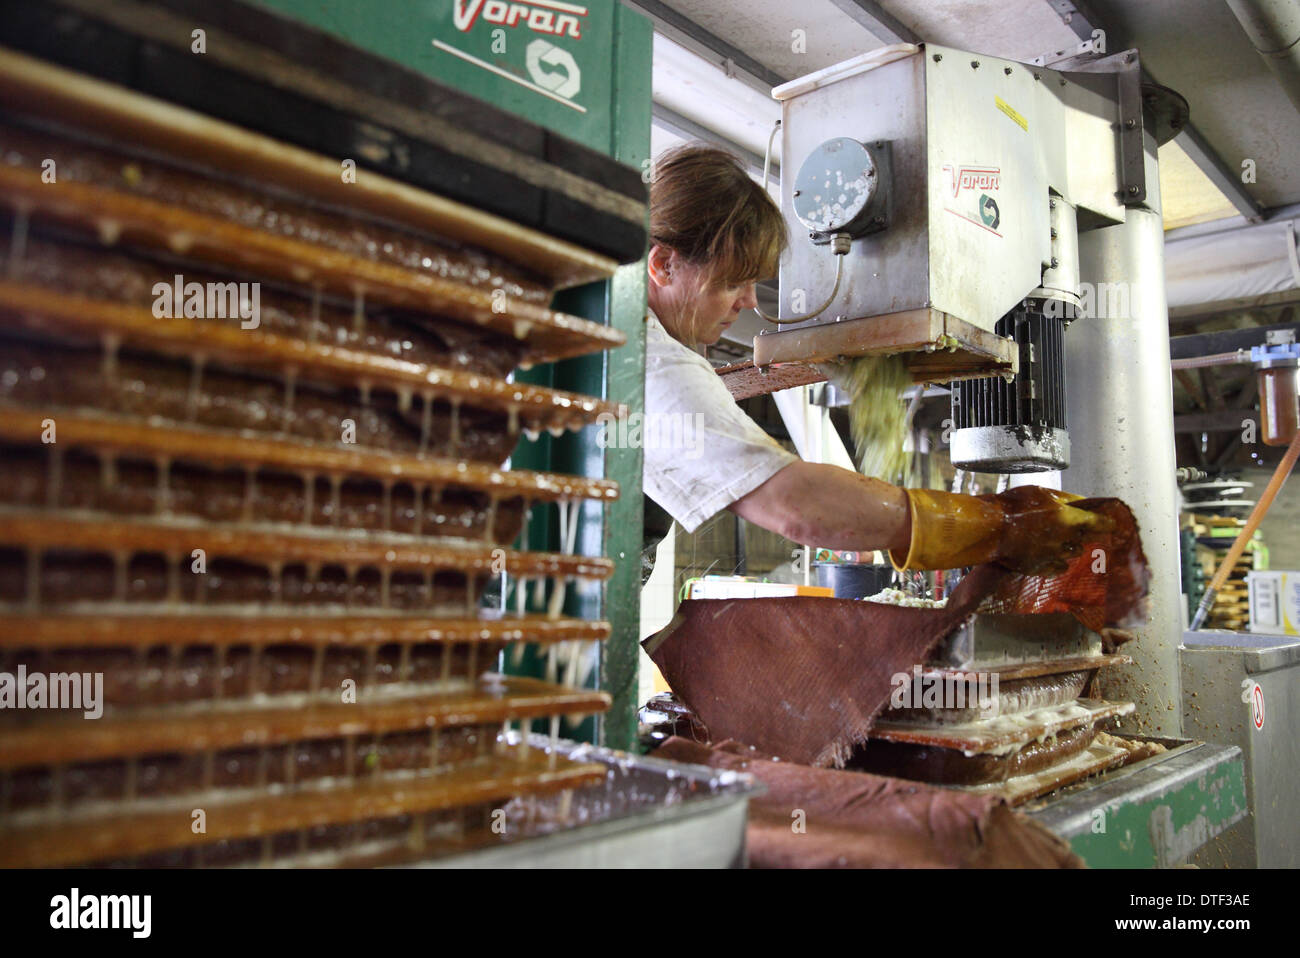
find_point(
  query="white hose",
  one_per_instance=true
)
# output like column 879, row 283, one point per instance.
column 839, row 273
column 767, row 157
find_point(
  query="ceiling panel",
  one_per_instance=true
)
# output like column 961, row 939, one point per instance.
column 1195, row 46
column 1014, row 29
column 765, row 30
column 700, row 91
column 1187, row 195
column 1198, row 48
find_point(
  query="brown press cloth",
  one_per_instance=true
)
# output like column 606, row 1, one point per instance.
column 804, row 678
column 859, row 820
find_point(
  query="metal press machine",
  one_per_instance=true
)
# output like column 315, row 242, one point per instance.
column 998, row 224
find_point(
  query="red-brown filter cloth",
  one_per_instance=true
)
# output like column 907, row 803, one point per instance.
column 804, row 678
column 823, row 818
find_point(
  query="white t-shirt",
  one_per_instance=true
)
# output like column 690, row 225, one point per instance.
column 702, row 452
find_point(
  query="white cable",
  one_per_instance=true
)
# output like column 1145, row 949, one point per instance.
column 839, row 273
column 767, row 166
column 767, row 157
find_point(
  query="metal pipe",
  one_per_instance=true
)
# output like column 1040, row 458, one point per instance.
column 1273, row 26
column 1120, row 410
column 1239, row 358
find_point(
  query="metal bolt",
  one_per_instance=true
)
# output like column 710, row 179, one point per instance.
column 1007, row 70
column 1053, row 231
column 1130, row 123
column 1133, row 190
column 796, row 192
column 1062, row 81
column 1055, row 262
column 1037, row 77
column 974, row 64
column 938, row 57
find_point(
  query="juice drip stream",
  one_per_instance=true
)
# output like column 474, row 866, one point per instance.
column 197, row 363
column 18, row 240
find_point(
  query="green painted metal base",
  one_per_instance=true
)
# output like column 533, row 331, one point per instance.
column 1153, row 814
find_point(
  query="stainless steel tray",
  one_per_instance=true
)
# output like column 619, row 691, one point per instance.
column 648, row 813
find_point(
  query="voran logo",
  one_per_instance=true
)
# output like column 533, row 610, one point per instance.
column 540, row 16
column 981, row 178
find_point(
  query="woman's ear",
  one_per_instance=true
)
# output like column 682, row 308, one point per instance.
column 660, row 265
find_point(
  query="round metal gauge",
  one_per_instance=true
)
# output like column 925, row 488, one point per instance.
column 835, row 186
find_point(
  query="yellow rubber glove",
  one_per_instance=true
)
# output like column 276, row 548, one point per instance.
column 1028, row 528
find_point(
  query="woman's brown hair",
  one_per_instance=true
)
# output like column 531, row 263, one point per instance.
column 705, row 206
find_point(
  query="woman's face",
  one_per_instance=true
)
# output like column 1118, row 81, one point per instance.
column 695, row 309
column 720, row 306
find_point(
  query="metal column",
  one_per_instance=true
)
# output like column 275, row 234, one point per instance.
column 1120, row 410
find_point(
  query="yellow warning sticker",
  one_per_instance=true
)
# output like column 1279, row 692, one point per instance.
column 1010, row 111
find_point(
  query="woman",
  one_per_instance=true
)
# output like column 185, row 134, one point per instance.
column 714, row 232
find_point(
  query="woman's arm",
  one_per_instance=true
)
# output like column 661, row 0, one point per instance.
column 829, row 506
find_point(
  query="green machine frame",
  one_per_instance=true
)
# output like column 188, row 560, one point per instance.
column 584, row 74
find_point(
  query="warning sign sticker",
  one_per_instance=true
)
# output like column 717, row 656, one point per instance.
column 1254, row 695
column 1010, row 111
